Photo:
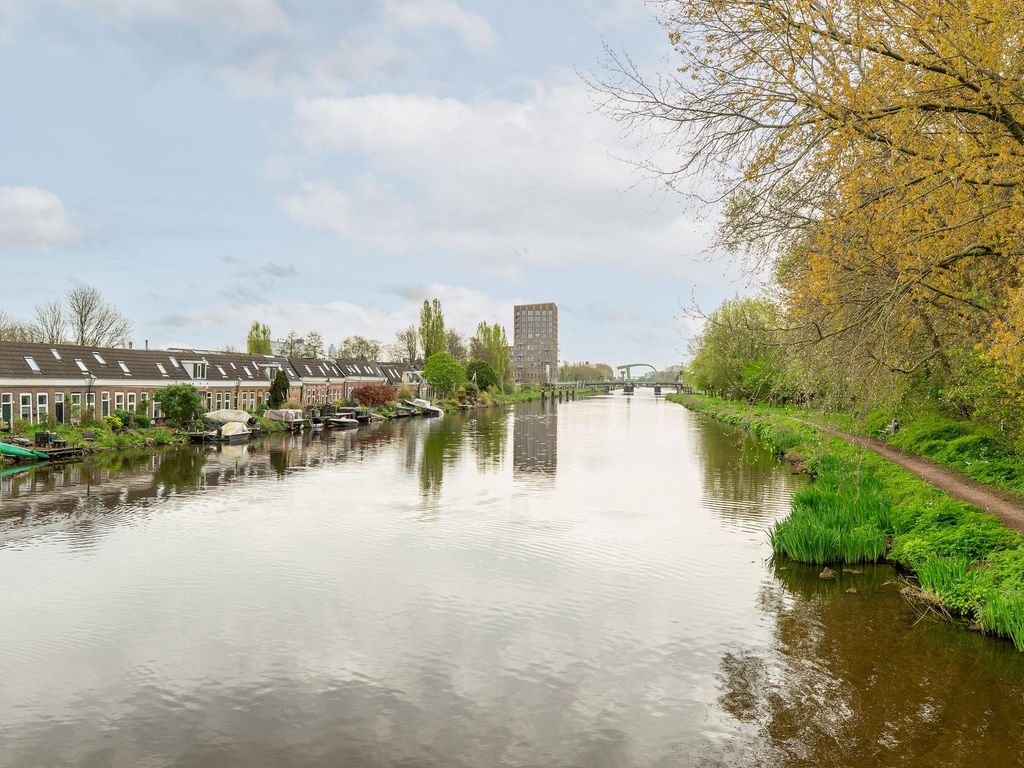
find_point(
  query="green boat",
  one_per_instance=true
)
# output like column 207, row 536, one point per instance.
column 17, row 452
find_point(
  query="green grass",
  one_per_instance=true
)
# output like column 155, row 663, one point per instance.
column 860, row 502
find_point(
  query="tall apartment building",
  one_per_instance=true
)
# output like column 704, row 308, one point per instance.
column 535, row 343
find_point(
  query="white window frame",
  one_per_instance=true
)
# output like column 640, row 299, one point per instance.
column 42, row 405
column 23, row 405
column 132, row 403
column 119, row 401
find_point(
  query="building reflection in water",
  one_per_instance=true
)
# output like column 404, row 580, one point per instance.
column 535, row 441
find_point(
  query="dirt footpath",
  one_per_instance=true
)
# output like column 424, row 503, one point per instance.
column 1004, row 505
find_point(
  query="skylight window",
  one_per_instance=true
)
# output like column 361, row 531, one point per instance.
column 222, row 371
column 160, row 367
column 309, row 371
column 173, row 361
column 123, row 367
column 99, row 359
column 233, row 367
column 246, row 369
column 81, row 366
column 56, row 354
column 33, row 365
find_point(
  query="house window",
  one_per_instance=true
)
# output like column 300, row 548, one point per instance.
column 156, row 409
column 26, row 407
column 76, row 398
column 99, row 359
column 104, row 403
column 6, row 408
column 223, row 373
column 220, row 401
column 160, row 367
column 81, row 366
column 131, row 402
column 173, row 360
column 58, row 406
column 123, row 367
column 209, row 400
column 33, row 365
column 119, row 401
column 198, row 370
column 55, row 353
column 42, row 405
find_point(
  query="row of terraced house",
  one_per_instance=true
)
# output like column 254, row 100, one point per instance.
column 40, row 382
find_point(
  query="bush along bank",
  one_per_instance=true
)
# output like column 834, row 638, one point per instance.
column 863, row 508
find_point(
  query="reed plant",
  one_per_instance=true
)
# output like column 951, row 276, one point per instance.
column 1002, row 613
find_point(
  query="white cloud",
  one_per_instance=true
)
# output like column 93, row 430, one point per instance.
column 493, row 180
column 31, row 217
column 251, row 17
column 320, row 206
column 463, row 307
column 475, row 30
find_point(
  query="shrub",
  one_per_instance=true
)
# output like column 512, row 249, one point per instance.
column 374, row 395
column 127, row 417
column 181, row 404
column 142, row 421
column 113, row 423
column 405, row 392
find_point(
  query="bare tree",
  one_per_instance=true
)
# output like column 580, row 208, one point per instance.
column 51, row 324
column 12, row 329
column 94, row 321
column 406, row 346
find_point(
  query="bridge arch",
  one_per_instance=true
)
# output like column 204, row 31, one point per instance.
column 628, row 367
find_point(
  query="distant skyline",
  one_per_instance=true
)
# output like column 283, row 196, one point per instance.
column 328, row 165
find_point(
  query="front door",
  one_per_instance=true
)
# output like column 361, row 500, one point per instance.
column 58, row 407
column 7, row 409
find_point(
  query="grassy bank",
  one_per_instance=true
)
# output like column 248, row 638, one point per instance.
column 104, row 438
column 862, row 508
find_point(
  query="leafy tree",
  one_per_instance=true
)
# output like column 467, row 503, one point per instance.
column 432, row 333
column 279, row 389
column 444, row 373
column 374, row 395
column 405, row 348
column 482, row 373
column 181, row 404
column 313, row 345
column 490, row 344
column 586, row 372
column 292, row 346
column 739, row 351
column 358, row 348
column 871, row 157
column 258, row 341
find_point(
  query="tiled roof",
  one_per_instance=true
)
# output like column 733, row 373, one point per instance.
column 229, row 366
column 65, row 361
column 311, row 367
column 360, row 368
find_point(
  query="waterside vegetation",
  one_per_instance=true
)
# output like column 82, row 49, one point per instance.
column 862, row 508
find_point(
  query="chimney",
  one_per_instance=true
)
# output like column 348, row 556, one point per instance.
column 147, row 343
column 130, row 344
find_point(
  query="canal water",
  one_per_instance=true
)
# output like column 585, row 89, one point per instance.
column 584, row 584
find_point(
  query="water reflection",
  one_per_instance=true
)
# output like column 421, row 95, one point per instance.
column 535, row 440
column 283, row 603
column 859, row 679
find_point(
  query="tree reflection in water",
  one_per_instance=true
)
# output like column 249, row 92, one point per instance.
column 856, row 679
column 440, row 445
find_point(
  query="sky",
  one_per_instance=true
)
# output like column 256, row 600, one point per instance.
column 328, row 164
